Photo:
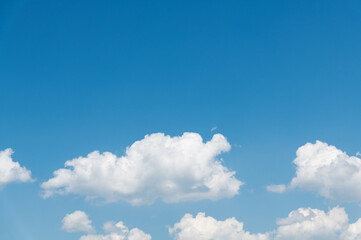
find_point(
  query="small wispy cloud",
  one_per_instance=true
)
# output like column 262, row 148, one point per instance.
column 358, row 154
column 214, row 128
column 276, row 188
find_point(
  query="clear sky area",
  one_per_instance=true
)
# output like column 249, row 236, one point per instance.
column 181, row 119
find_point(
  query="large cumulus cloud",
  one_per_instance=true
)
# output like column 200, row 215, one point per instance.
column 202, row 227
column 174, row 169
column 300, row 224
column 11, row 171
column 324, row 169
column 312, row 224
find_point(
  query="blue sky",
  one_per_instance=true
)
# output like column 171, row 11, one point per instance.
column 79, row 76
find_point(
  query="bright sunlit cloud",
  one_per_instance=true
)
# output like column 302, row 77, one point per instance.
column 326, row 170
column 11, row 171
column 173, row 169
column 300, row 224
column 78, row 221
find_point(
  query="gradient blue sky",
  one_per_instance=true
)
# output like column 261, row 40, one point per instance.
column 78, row 76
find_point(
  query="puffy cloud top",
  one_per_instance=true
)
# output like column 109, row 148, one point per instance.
column 324, row 169
column 312, row 224
column 208, row 228
column 77, row 221
column 181, row 168
column 300, row 224
column 353, row 231
column 118, row 231
column 11, row 171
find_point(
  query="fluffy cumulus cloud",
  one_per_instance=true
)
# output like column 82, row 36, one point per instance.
column 174, row 169
column 77, row 221
column 301, row 224
column 118, row 231
column 201, row 227
column 11, row 171
column 353, row 231
column 324, row 169
column 313, row 224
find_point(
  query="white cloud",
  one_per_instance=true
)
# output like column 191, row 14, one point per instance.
column 118, row 231
column 214, row 128
column 208, row 228
column 77, row 221
column 174, row 169
column 312, row 224
column 331, row 173
column 301, row 224
column 353, row 231
column 276, row 188
column 11, row 171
